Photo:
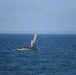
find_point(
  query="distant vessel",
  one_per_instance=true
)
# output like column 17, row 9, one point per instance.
column 32, row 44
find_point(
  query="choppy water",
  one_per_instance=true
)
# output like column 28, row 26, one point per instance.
column 56, row 55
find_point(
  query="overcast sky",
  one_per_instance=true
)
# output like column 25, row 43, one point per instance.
column 42, row 16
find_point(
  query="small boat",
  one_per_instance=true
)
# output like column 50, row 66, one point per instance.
column 32, row 44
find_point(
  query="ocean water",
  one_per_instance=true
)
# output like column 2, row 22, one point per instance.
column 56, row 55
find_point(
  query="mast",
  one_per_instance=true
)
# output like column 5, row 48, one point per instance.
column 33, row 40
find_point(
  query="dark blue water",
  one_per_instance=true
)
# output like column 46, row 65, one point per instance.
column 56, row 55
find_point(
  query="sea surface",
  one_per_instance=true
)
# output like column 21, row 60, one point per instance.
column 56, row 54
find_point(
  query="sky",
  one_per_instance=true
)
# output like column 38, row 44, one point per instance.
column 41, row 16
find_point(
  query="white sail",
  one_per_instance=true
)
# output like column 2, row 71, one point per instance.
column 33, row 40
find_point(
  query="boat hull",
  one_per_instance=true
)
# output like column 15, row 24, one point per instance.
column 27, row 48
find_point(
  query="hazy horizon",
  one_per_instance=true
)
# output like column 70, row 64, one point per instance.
column 27, row 32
